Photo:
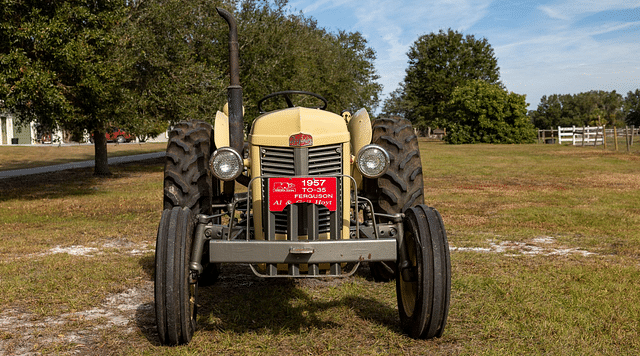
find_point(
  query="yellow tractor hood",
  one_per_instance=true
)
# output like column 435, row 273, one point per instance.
column 275, row 128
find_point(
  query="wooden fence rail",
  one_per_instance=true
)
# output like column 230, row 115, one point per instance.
column 590, row 136
column 581, row 136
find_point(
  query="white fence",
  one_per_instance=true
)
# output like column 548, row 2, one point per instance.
column 581, row 136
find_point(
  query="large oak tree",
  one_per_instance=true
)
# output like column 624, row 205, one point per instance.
column 141, row 65
column 177, row 59
column 56, row 68
column 438, row 64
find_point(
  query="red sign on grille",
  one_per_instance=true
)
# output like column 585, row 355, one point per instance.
column 290, row 190
column 300, row 140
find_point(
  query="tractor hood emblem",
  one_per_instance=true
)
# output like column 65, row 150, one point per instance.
column 300, row 140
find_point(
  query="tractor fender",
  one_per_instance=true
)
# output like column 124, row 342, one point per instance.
column 360, row 130
column 221, row 130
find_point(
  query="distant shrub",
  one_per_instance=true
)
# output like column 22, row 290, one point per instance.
column 486, row 113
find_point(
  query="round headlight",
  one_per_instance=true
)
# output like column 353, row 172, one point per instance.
column 226, row 164
column 372, row 161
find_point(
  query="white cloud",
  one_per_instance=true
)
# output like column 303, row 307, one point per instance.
column 569, row 61
column 549, row 51
column 457, row 14
column 554, row 13
column 391, row 27
column 568, row 9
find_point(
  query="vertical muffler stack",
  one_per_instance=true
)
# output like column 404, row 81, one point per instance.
column 234, row 90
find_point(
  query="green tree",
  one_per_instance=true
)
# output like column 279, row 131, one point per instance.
column 438, row 64
column 394, row 105
column 582, row 109
column 176, row 52
column 284, row 51
column 549, row 112
column 141, row 65
column 598, row 107
column 632, row 108
column 173, row 55
column 486, row 113
column 56, row 68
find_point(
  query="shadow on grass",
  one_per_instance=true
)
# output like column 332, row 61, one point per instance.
column 72, row 182
column 242, row 303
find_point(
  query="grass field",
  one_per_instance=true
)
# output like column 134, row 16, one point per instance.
column 545, row 250
column 19, row 157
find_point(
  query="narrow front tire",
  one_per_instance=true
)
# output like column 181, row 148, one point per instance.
column 423, row 280
column 175, row 290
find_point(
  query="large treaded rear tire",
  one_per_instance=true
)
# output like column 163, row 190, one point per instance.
column 187, row 181
column 401, row 187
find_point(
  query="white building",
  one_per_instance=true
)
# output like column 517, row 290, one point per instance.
column 13, row 134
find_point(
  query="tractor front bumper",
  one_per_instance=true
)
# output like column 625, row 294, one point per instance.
column 297, row 252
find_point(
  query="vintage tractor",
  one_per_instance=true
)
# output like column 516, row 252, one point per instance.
column 324, row 193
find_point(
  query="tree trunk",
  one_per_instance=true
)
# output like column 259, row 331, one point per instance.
column 100, row 144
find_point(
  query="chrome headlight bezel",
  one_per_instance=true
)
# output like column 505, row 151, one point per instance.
column 226, row 164
column 376, row 155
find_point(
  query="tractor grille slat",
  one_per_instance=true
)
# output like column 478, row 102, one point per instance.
column 322, row 161
column 277, row 161
column 285, row 155
column 281, row 221
column 324, row 172
column 325, row 160
column 276, row 167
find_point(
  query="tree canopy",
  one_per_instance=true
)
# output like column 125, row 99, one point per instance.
column 176, row 52
column 438, row 64
column 284, row 51
column 141, row 65
column 452, row 82
column 593, row 108
column 56, row 68
column 173, row 55
column 481, row 112
column 632, row 108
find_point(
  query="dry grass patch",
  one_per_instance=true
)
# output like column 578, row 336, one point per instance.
column 544, row 262
column 19, row 157
column 73, row 207
column 554, row 305
column 523, row 191
column 618, row 182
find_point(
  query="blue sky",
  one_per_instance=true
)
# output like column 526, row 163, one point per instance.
column 543, row 47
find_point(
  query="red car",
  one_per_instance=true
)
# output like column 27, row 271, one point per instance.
column 117, row 135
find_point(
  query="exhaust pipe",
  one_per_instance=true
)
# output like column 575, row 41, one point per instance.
column 234, row 90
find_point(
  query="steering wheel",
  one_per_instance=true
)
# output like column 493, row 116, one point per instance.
column 286, row 94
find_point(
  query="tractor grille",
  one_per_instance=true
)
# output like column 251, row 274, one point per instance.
column 310, row 161
column 276, row 161
column 323, row 218
column 325, row 160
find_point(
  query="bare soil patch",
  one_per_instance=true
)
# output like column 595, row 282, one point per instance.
column 539, row 246
column 132, row 311
column 24, row 333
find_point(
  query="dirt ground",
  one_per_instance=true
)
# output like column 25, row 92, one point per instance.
column 132, row 311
